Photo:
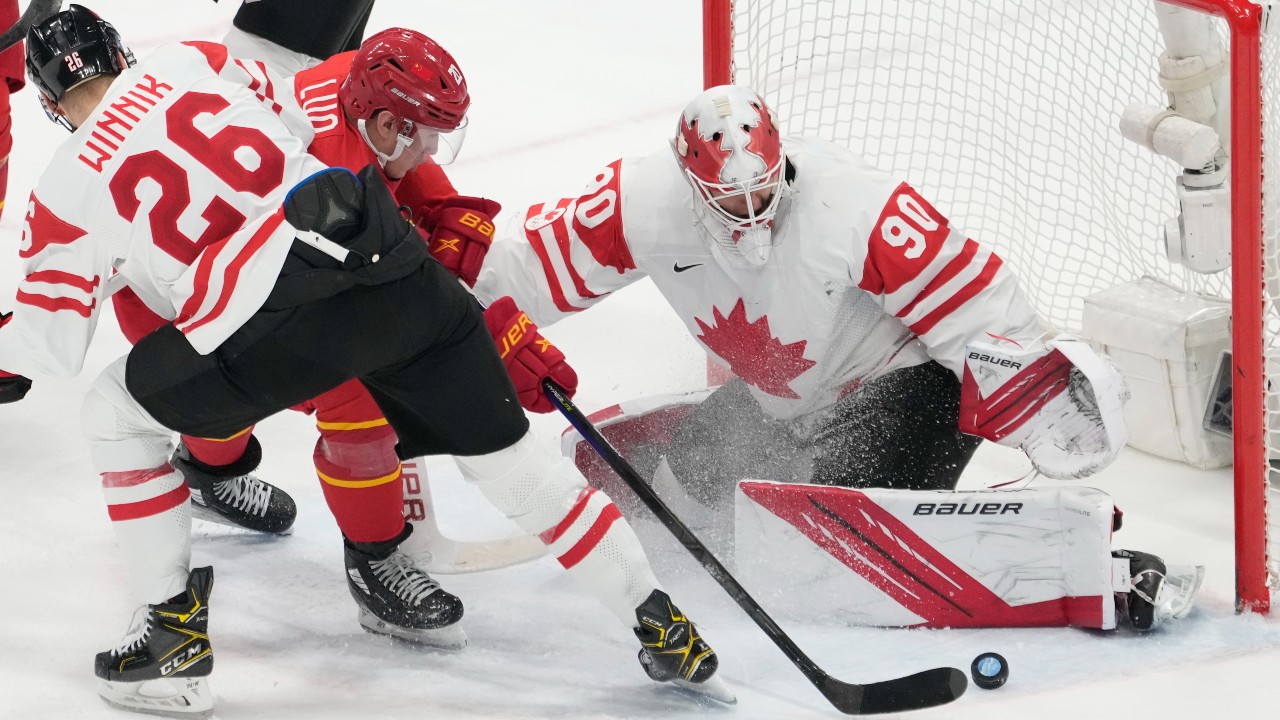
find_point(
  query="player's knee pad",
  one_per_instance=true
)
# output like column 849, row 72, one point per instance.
column 122, row 435
column 364, row 452
column 527, row 481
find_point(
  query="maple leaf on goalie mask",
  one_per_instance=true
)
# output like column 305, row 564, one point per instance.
column 753, row 353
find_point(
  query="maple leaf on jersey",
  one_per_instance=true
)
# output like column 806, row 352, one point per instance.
column 753, row 353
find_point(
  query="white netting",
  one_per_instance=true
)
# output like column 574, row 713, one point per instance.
column 1004, row 113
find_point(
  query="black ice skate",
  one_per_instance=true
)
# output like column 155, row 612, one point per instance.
column 1156, row 592
column 162, row 665
column 232, row 495
column 674, row 652
column 398, row 598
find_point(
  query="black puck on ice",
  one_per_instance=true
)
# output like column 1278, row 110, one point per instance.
column 989, row 671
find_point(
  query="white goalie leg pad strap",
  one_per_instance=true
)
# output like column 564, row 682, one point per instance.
column 547, row 496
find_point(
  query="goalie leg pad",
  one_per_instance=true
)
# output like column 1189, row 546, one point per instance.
column 546, row 496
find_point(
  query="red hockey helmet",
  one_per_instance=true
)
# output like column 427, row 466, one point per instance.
column 411, row 76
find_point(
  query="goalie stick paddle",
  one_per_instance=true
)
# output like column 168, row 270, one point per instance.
column 36, row 12
column 913, row 692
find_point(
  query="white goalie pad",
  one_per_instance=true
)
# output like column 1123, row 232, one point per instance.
column 902, row 558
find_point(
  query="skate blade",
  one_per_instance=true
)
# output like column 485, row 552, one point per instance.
column 201, row 512
column 713, row 688
column 450, row 637
column 165, row 697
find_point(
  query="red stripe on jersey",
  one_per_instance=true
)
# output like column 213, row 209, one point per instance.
column 964, row 295
column 262, row 80
column 907, row 237
column 554, row 533
column 561, row 232
column 214, row 54
column 82, row 309
column 608, row 516
column 540, row 249
column 134, row 477
column 230, row 276
column 45, row 229
column 58, row 277
column 597, row 220
column 953, row 268
column 149, row 507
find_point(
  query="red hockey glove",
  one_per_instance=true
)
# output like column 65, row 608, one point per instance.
column 461, row 230
column 529, row 357
column 12, row 387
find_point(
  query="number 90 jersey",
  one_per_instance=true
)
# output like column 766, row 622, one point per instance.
column 174, row 186
column 865, row 277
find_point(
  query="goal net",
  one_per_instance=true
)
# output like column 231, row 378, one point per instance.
column 1006, row 112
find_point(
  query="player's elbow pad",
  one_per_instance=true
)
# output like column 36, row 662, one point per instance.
column 1061, row 403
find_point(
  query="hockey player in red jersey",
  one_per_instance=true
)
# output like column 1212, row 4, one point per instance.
column 289, row 255
column 874, row 344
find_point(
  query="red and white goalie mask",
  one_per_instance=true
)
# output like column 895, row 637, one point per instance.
column 731, row 152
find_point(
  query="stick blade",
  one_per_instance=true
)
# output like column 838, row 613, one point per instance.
column 926, row 689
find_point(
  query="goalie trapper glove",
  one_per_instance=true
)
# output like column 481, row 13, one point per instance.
column 1060, row 402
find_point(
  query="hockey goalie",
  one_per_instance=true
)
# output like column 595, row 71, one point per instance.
column 873, row 345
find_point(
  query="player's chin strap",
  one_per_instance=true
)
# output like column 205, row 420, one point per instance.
column 402, row 142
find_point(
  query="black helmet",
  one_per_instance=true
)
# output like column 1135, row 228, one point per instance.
column 70, row 47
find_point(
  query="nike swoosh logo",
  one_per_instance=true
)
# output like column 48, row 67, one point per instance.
column 680, row 269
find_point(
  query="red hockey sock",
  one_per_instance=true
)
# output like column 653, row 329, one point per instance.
column 217, row 452
column 367, row 508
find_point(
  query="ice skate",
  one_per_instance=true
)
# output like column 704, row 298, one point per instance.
column 161, row 667
column 232, row 495
column 674, row 652
column 1158, row 592
column 398, row 598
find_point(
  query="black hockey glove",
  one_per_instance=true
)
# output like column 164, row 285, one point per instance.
column 12, row 387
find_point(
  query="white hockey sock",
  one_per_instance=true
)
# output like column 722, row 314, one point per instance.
column 547, row 496
column 150, row 513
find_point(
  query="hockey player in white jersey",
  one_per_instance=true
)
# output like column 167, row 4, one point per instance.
column 186, row 176
column 874, row 344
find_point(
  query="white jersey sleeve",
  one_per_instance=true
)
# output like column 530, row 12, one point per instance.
column 174, row 184
column 945, row 287
column 562, row 257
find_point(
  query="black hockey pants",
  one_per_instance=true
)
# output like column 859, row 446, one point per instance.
column 418, row 343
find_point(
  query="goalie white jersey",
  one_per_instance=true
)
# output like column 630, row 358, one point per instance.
column 866, row 275
column 201, row 145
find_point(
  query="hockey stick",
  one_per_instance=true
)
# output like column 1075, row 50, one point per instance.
column 921, row 690
column 37, row 11
column 444, row 555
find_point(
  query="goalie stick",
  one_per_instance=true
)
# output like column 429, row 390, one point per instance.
column 925, row 689
column 36, row 12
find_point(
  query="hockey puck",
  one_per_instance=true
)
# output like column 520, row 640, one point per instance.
column 989, row 671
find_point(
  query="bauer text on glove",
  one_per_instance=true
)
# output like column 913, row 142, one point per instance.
column 529, row 357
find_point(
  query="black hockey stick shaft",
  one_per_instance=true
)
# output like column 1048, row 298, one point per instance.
column 921, row 690
column 36, row 12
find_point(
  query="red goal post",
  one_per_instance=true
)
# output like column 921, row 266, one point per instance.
column 1007, row 113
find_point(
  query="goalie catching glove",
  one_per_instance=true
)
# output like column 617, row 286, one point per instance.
column 529, row 357
column 1060, row 402
column 461, row 232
